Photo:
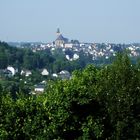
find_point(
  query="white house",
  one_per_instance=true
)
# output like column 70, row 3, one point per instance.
column 12, row 70
column 39, row 88
column 26, row 73
column 54, row 75
column 67, row 57
column 64, row 74
column 45, row 72
column 68, row 45
column 75, row 56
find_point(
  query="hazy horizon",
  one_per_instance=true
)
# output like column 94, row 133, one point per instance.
column 113, row 21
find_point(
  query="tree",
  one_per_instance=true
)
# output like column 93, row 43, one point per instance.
column 96, row 103
column 3, row 61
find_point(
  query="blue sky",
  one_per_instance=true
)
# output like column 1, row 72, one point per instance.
column 116, row 21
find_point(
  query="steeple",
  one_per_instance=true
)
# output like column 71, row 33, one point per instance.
column 60, row 40
column 58, row 32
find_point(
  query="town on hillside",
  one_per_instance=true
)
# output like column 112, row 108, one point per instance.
column 59, row 59
column 97, row 50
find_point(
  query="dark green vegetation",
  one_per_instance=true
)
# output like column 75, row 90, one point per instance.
column 95, row 104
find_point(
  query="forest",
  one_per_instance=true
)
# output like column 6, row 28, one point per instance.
column 96, row 103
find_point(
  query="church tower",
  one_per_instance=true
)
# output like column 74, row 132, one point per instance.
column 58, row 32
column 60, row 40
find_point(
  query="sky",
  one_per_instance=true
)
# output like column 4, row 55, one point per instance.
column 96, row 21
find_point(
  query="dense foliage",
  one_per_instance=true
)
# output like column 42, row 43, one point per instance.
column 95, row 104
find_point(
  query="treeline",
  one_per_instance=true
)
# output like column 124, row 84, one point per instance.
column 27, row 59
column 96, row 103
column 23, row 58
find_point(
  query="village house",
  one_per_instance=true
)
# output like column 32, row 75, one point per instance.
column 39, row 88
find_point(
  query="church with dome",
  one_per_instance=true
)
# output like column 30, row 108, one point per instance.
column 60, row 40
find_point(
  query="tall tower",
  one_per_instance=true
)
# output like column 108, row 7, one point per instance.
column 58, row 32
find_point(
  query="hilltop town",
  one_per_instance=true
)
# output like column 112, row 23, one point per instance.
column 33, row 64
column 96, row 50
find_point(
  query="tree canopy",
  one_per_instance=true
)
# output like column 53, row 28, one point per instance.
column 96, row 103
